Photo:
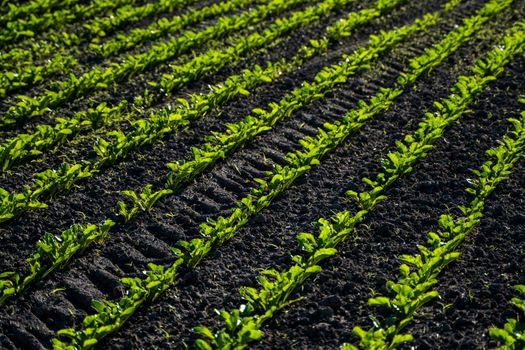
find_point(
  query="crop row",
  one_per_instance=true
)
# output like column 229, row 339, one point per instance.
column 27, row 73
column 512, row 335
column 22, row 77
column 276, row 287
column 235, row 86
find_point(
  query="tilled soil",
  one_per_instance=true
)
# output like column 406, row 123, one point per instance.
column 474, row 291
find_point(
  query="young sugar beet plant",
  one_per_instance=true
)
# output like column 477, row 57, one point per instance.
column 46, row 184
column 100, row 78
column 220, row 145
column 24, row 147
column 419, row 272
column 51, row 254
column 234, row 86
column 512, row 335
column 22, row 57
column 244, row 324
column 29, row 76
column 111, row 315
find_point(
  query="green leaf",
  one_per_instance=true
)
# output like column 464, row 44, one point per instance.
column 3, row 275
column 68, row 332
column 251, row 335
column 89, row 343
column 520, row 288
column 501, row 335
column 204, row 331
column 202, row 345
column 379, row 301
column 98, row 306
column 400, row 339
column 324, row 253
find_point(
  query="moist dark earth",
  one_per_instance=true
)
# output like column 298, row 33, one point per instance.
column 474, row 291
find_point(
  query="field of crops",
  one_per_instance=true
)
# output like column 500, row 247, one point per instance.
column 267, row 174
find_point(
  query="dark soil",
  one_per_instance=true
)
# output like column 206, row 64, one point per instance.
column 474, row 291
